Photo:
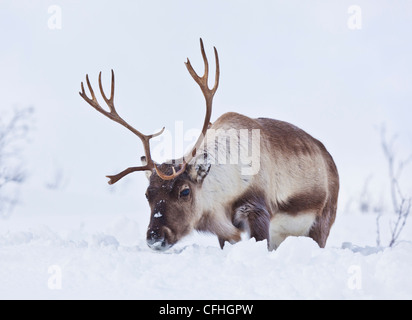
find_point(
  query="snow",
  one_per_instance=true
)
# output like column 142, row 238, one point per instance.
column 83, row 241
column 92, row 256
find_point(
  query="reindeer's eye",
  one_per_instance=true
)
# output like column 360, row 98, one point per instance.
column 147, row 195
column 185, row 192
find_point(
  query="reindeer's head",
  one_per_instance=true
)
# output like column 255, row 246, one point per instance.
column 172, row 188
column 173, row 205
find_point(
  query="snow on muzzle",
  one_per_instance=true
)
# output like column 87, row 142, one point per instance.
column 159, row 239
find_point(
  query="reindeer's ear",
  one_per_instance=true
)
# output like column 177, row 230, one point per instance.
column 147, row 172
column 200, row 169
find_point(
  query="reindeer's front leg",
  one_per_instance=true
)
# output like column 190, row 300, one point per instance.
column 231, row 239
column 253, row 216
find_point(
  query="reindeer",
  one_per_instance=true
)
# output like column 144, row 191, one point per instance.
column 291, row 189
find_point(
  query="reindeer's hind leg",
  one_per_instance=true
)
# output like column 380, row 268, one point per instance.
column 321, row 227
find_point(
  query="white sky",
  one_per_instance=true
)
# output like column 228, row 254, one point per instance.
column 290, row 60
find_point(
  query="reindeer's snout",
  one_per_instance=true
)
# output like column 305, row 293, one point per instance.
column 159, row 244
column 158, row 239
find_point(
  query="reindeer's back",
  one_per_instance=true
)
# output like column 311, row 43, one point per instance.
column 292, row 161
column 303, row 165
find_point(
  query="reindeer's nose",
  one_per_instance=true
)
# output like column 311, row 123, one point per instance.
column 157, row 241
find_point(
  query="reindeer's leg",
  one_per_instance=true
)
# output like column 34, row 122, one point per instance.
column 221, row 242
column 321, row 227
column 231, row 239
column 259, row 222
column 254, row 217
column 319, row 233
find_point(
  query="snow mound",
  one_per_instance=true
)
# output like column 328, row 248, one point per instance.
column 90, row 261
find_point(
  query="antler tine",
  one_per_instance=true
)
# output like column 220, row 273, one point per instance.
column 109, row 102
column 174, row 174
column 206, row 73
column 93, row 102
column 217, row 75
column 90, row 88
column 114, row 178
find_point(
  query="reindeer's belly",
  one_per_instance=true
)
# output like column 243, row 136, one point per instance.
column 283, row 225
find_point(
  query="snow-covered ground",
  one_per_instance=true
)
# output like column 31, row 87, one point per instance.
column 77, row 256
column 337, row 70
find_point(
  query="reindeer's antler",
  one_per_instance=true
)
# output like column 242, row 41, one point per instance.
column 208, row 94
column 113, row 115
